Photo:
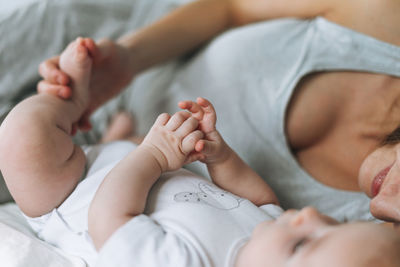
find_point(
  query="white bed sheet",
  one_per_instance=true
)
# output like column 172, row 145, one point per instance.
column 20, row 248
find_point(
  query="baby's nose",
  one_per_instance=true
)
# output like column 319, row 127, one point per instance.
column 312, row 217
column 306, row 214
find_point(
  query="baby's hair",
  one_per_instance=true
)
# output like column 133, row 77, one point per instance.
column 385, row 255
column 379, row 247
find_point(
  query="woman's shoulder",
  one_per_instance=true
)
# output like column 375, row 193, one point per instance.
column 366, row 17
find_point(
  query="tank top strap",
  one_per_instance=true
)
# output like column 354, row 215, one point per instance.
column 335, row 47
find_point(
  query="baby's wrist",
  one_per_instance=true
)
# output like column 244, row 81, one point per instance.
column 222, row 157
column 154, row 153
column 223, row 154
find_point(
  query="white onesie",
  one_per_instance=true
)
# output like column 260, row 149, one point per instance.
column 188, row 221
column 66, row 227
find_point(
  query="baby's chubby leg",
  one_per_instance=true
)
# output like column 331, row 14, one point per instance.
column 40, row 163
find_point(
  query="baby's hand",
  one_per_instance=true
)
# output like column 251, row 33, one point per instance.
column 211, row 149
column 172, row 139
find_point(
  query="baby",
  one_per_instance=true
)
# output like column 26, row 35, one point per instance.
column 137, row 207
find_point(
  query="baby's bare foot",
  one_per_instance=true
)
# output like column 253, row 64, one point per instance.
column 77, row 63
column 121, row 127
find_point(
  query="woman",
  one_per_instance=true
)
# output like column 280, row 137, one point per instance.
column 328, row 99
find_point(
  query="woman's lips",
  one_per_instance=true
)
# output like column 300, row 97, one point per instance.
column 378, row 180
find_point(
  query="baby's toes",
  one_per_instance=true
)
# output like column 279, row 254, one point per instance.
column 75, row 56
column 82, row 56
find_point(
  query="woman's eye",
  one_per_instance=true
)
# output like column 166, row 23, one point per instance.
column 392, row 138
column 299, row 244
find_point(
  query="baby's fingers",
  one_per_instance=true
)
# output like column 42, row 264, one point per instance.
column 205, row 147
column 176, row 120
column 193, row 107
column 162, row 119
column 194, row 156
column 190, row 141
column 208, row 110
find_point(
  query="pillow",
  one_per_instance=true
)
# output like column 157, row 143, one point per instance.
column 20, row 248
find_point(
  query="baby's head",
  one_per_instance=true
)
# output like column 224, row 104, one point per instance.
column 308, row 238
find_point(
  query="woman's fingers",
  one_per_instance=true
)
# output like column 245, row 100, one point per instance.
column 51, row 72
column 54, row 89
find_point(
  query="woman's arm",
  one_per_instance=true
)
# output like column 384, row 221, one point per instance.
column 181, row 31
column 196, row 23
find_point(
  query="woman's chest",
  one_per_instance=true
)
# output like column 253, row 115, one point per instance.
column 334, row 120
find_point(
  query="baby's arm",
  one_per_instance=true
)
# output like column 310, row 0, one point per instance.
column 40, row 163
column 225, row 167
column 123, row 193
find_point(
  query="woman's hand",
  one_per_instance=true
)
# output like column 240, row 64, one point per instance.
column 112, row 71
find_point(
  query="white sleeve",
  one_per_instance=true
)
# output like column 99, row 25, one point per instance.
column 143, row 242
column 272, row 210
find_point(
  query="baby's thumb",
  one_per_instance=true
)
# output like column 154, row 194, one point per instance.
column 194, row 156
column 206, row 147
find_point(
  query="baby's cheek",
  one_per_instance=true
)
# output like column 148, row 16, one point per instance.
column 261, row 228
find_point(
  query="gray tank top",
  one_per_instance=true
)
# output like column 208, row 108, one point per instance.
column 250, row 74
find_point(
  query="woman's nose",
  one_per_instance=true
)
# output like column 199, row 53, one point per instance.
column 386, row 205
